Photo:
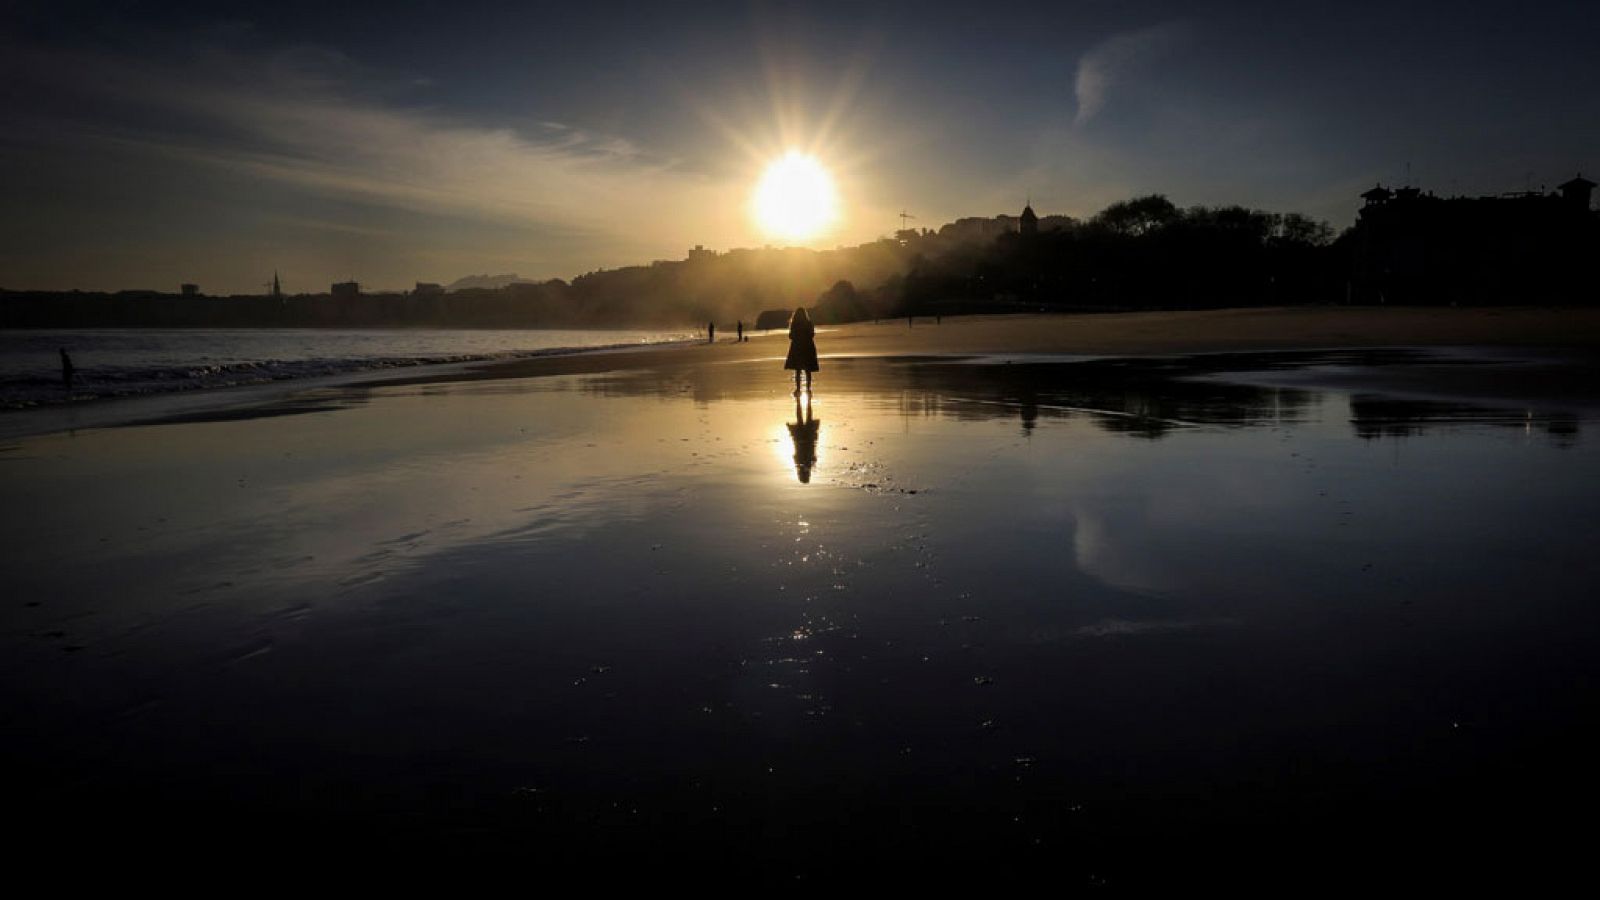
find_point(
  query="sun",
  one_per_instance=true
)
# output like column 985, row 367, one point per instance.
column 796, row 199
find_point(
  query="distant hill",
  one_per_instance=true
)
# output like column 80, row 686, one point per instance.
column 491, row 282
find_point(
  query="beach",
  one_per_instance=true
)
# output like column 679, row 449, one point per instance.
column 1279, row 597
column 1143, row 334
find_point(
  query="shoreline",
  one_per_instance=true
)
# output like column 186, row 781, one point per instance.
column 1079, row 335
column 136, row 407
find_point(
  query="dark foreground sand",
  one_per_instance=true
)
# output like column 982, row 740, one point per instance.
column 1281, row 619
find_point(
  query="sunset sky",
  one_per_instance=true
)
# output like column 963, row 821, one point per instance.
column 145, row 144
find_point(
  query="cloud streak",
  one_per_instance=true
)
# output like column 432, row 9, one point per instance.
column 1115, row 59
column 326, row 131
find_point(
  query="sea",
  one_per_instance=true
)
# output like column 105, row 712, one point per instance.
column 128, row 362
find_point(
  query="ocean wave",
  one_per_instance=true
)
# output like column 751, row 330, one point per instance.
column 102, row 382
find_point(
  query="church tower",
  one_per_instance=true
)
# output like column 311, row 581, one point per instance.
column 1030, row 221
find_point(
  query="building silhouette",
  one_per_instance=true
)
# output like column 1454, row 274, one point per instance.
column 1410, row 246
column 345, row 290
column 189, row 290
column 1577, row 191
column 1028, row 223
column 428, row 289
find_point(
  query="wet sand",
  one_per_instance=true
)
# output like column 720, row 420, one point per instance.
column 981, row 610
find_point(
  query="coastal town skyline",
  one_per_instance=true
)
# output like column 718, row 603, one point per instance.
column 1536, row 233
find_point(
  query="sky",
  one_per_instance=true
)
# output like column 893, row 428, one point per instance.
column 144, row 145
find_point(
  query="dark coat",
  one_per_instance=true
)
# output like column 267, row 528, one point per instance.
column 802, row 347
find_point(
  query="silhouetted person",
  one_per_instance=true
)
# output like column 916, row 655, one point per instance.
column 711, row 332
column 802, row 348
column 738, row 336
column 804, row 430
column 67, row 369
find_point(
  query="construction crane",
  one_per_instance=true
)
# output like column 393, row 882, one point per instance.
column 903, row 217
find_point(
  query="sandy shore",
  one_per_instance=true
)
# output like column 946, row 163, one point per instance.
column 1111, row 334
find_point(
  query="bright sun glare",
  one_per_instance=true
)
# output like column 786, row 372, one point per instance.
column 796, row 199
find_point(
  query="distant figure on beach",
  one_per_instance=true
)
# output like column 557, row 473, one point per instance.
column 804, row 430
column 802, row 348
column 67, row 369
column 711, row 332
column 739, row 336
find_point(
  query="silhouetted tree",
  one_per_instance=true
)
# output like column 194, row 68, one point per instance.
column 1294, row 228
column 839, row 303
column 1138, row 216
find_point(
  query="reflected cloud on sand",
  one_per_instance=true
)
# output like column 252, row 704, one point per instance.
column 804, row 431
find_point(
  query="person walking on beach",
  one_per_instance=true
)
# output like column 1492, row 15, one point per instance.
column 738, row 338
column 67, row 369
column 802, row 348
column 711, row 332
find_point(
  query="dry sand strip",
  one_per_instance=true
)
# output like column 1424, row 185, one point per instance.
column 1104, row 334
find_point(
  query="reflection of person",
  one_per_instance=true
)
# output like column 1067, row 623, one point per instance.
column 67, row 368
column 802, row 348
column 804, row 430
